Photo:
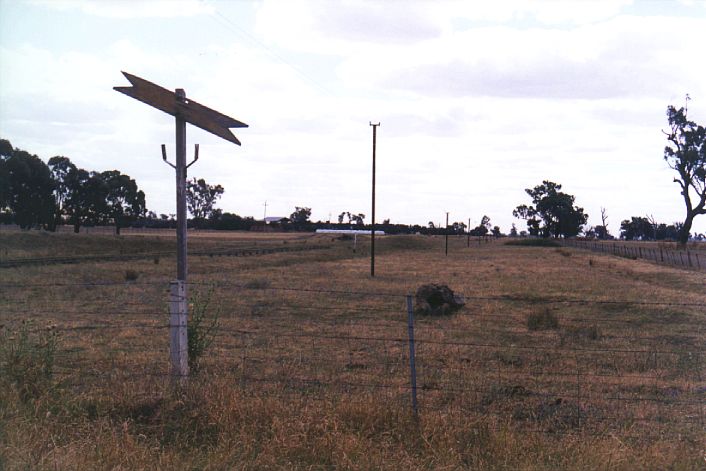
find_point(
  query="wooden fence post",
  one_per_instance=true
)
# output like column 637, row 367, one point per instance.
column 178, row 340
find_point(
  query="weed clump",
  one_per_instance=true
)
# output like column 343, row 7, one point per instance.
column 27, row 359
column 131, row 275
column 543, row 320
column 201, row 328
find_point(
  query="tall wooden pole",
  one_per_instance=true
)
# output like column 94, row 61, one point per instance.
column 372, row 226
column 468, row 241
column 181, row 189
column 179, row 314
column 216, row 123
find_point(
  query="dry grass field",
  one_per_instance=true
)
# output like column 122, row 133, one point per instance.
column 560, row 359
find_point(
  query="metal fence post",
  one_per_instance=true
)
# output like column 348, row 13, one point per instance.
column 178, row 340
column 412, row 366
column 578, row 392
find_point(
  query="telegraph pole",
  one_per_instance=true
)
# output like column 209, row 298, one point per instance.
column 447, row 234
column 265, row 215
column 468, row 242
column 372, row 226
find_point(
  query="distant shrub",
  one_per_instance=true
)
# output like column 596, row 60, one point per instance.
column 27, row 359
column 542, row 320
column 534, row 242
column 131, row 275
column 258, row 283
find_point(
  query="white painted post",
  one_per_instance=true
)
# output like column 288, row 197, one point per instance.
column 178, row 342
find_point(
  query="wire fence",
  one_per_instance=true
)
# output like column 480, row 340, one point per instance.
column 633, row 367
column 694, row 258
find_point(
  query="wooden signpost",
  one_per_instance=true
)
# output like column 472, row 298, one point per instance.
column 185, row 111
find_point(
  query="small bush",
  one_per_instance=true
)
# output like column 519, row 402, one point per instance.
column 131, row 275
column 543, row 320
column 563, row 253
column 27, row 359
column 201, row 328
column 261, row 308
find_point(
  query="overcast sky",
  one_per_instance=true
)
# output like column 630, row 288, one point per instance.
column 477, row 100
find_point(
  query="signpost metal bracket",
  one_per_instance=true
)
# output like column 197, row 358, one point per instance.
column 196, row 155
column 164, row 156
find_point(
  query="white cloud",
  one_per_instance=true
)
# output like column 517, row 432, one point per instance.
column 622, row 57
column 130, row 9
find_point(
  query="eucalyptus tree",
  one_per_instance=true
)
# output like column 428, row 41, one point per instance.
column 686, row 155
column 552, row 212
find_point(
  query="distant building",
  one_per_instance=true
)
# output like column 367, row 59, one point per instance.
column 347, row 231
column 273, row 219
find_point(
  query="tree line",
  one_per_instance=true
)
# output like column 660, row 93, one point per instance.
column 38, row 194
column 45, row 195
column 35, row 194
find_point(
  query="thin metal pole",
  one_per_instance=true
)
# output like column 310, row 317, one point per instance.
column 446, row 244
column 412, row 365
column 372, row 226
column 181, row 190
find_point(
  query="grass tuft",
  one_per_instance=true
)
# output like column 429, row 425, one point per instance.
column 543, row 320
